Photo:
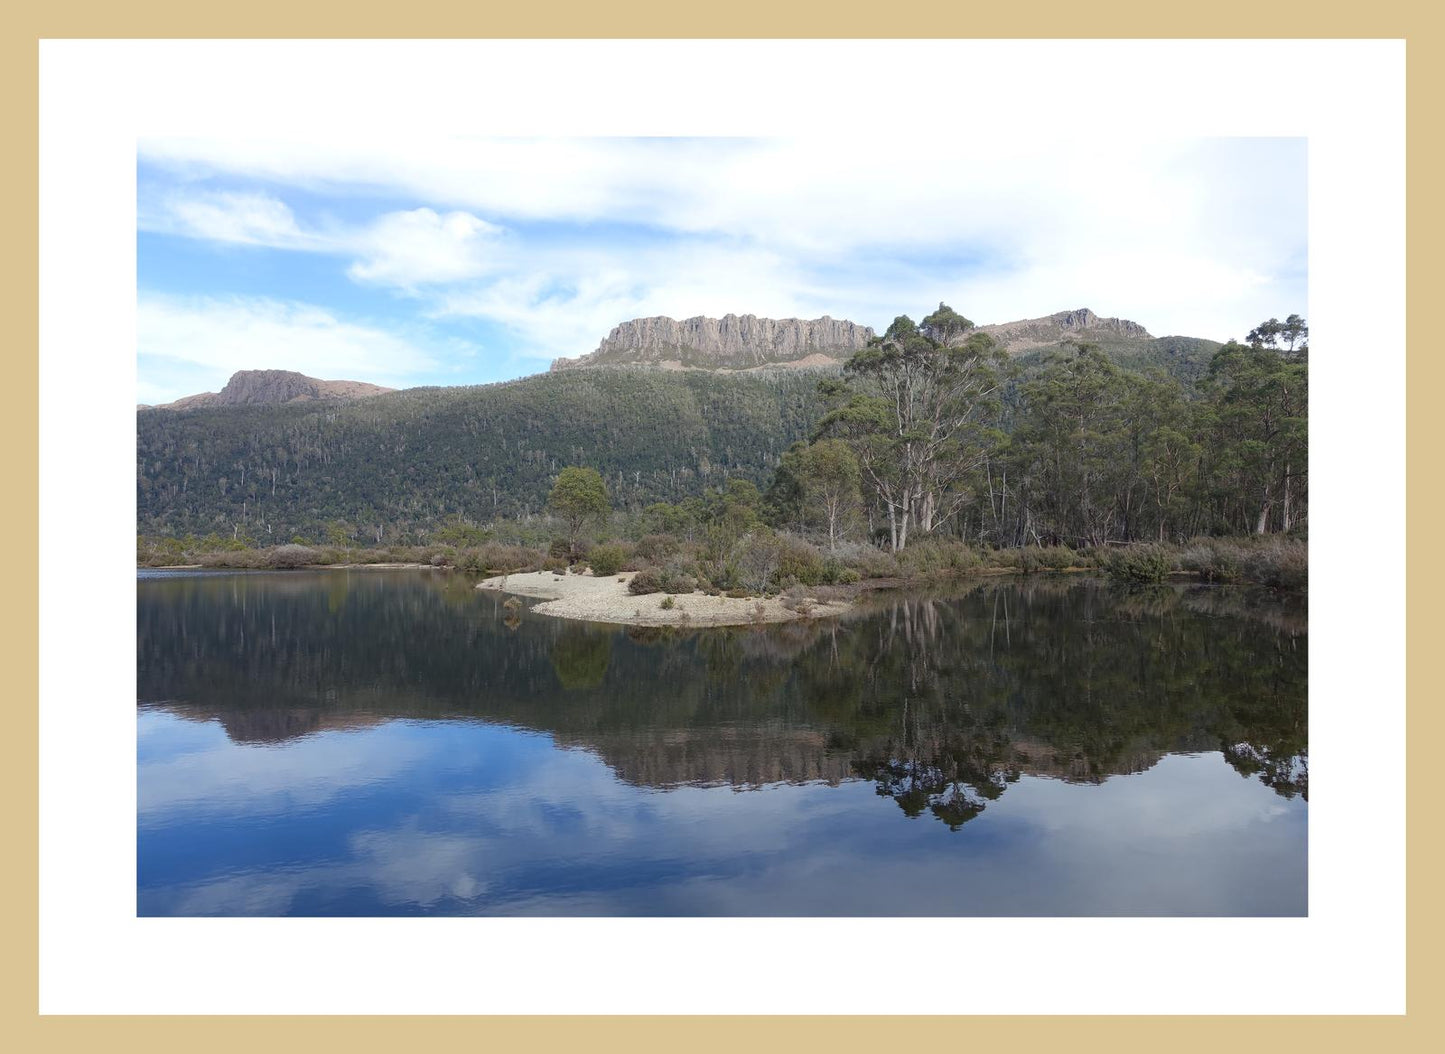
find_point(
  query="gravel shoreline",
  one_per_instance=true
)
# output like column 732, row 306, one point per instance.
column 606, row 599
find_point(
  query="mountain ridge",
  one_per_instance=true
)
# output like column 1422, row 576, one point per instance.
column 732, row 342
column 273, row 387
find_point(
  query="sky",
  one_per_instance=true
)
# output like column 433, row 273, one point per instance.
column 447, row 261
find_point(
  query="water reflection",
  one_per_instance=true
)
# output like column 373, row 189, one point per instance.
column 390, row 735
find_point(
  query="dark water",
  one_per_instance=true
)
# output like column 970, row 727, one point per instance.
column 394, row 743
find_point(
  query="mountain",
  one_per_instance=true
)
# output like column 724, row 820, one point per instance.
column 1128, row 344
column 409, row 459
column 731, row 343
column 272, row 387
column 741, row 343
column 1080, row 324
column 663, row 409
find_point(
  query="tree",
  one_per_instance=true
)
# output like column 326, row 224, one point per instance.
column 829, row 478
column 1260, row 402
column 1290, row 337
column 914, row 416
column 579, row 497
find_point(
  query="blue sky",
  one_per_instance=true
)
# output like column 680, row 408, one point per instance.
column 468, row 260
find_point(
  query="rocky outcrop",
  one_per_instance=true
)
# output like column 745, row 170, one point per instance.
column 733, row 342
column 1080, row 324
column 269, row 387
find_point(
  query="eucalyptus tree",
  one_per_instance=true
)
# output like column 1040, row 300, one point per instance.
column 916, row 413
column 580, row 498
column 1260, row 397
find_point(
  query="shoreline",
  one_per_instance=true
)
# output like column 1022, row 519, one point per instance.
column 303, row 567
column 588, row 598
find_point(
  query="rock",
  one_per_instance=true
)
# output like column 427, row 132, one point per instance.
column 733, row 342
column 1080, row 324
column 268, row 387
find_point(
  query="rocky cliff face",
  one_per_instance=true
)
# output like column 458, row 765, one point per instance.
column 733, row 342
column 255, row 387
column 1080, row 324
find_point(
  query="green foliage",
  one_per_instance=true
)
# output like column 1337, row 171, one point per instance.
column 407, row 463
column 668, row 603
column 915, row 412
column 935, row 556
column 798, row 563
column 458, row 532
column 580, row 498
column 607, row 559
column 656, row 547
column 1139, row 563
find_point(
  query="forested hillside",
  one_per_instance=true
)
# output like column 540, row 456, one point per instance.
column 394, row 466
column 1067, row 429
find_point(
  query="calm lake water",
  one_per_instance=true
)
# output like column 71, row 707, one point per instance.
column 395, row 743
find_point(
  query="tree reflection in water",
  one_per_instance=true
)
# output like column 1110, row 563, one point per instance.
column 941, row 700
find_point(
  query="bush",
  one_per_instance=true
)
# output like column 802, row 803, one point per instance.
column 754, row 560
column 936, row 556
column 676, row 579
column 847, row 576
column 607, row 559
column 644, row 582
column 291, row 555
column 1055, row 557
column 799, row 562
column 1139, row 563
column 868, row 561
column 1281, row 563
column 656, row 547
column 555, row 563
column 668, row 603
column 1211, row 560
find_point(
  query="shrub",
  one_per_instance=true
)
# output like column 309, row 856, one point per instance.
column 1211, row 560
column 291, row 555
column 847, row 576
column 935, row 556
column 1281, row 563
column 555, row 563
column 1055, row 557
column 799, row 562
column 1139, row 563
column 668, row 603
column 755, row 559
column 656, row 547
column 644, row 582
column 675, row 579
column 607, row 559
column 868, row 561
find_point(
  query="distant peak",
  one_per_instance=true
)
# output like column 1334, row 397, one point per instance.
column 272, row 387
column 732, row 342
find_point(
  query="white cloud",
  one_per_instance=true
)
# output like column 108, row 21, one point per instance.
column 402, row 249
column 216, row 337
column 408, row 249
column 241, row 218
column 1196, row 237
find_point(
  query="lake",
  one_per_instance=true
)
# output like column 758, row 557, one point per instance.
column 397, row 743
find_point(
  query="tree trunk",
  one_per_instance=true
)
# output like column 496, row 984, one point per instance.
column 1285, row 510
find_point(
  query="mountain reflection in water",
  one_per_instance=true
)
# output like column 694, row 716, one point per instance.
column 945, row 704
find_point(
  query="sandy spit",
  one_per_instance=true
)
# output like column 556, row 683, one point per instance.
column 606, row 599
